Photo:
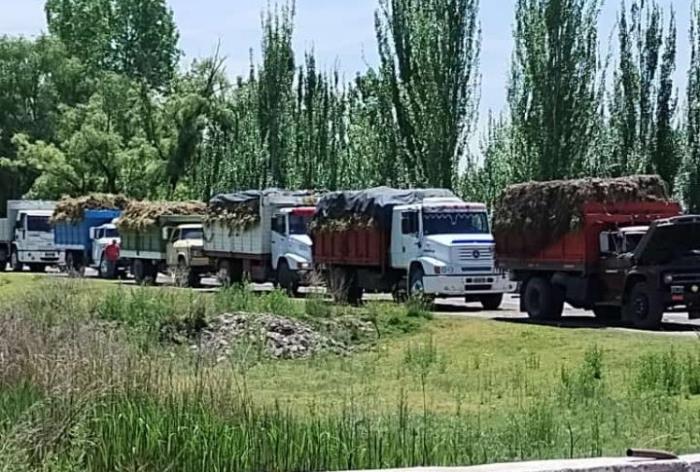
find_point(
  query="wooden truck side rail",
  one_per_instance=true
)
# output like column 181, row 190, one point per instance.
column 359, row 247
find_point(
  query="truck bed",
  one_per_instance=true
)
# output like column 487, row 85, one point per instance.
column 580, row 250
column 76, row 234
column 362, row 247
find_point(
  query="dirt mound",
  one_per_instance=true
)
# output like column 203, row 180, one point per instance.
column 541, row 212
column 72, row 209
column 280, row 337
column 141, row 215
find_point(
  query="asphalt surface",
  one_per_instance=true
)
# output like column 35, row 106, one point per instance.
column 675, row 323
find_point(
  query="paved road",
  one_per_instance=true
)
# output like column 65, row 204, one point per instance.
column 675, row 323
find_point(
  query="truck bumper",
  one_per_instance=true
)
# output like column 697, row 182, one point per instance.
column 43, row 257
column 460, row 286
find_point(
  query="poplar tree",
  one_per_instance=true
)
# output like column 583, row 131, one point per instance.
column 644, row 103
column 552, row 95
column 429, row 52
column 690, row 178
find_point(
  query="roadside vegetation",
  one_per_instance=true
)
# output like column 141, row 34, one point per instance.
column 92, row 377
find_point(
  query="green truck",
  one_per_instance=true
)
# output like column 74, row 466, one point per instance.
column 172, row 245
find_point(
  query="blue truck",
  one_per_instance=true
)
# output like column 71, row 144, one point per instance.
column 85, row 240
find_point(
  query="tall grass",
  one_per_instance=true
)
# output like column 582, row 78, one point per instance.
column 81, row 393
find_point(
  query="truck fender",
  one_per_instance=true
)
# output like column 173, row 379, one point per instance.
column 293, row 261
column 428, row 264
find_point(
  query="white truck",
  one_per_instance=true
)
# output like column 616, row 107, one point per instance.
column 426, row 243
column 27, row 238
column 261, row 236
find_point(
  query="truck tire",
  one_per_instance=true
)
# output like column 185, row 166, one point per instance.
column 491, row 302
column 150, row 273
column 287, row 279
column 139, row 271
column 416, row 287
column 643, row 309
column 3, row 265
column 344, row 286
column 229, row 272
column 184, row 276
column 74, row 265
column 105, row 270
column 16, row 265
column 37, row 268
column 543, row 301
column 607, row 313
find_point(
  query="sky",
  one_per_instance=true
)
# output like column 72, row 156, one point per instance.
column 341, row 32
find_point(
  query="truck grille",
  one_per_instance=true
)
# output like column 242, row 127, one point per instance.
column 474, row 259
column 687, row 278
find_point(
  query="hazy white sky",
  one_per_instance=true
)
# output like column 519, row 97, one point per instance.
column 340, row 31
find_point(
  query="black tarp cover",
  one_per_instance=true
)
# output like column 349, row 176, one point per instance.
column 251, row 198
column 375, row 204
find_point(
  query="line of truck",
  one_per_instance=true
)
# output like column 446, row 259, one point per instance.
column 629, row 260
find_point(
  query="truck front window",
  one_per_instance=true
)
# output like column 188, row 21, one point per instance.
column 111, row 233
column 189, row 234
column 455, row 223
column 299, row 224
column 38, row 223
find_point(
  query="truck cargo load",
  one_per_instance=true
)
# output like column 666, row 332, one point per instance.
column 70, row 209
column 542, row 212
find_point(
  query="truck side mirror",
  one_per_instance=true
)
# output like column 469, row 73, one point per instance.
column 93, row 233
column 605, row 243
column 167, row 233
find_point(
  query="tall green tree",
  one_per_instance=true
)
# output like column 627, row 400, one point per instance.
column 644, row 103
column 429, row 51
column 275, row 89
column 137, row 38
column 689, row 181
column 552, row 95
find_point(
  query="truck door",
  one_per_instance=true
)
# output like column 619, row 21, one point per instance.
column 279, row 238
column 96, row 248
column 613, row 267
column 171, row 252
column 405, row 239
column 21, row 230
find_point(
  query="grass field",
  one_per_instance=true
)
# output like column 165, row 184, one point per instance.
column 88, row 384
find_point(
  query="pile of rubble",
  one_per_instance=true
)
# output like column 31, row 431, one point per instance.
column 280, row 337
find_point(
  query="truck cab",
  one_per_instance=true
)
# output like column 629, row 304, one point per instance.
column 646, row 270
column 446, row 248
column 33, row 241
column 292, row 258
column 185, row 254
column 101, row 237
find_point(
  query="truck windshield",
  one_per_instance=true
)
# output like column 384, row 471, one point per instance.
column 192, row 233
column 111, row 233
column 299, row 224
column 455, row 223
column 38, row 223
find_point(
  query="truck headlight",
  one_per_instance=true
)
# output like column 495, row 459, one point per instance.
column 668, row 279
column 304, row 265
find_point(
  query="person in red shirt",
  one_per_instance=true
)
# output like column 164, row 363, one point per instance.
column 112, row 252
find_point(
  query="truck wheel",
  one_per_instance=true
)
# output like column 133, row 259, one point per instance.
column 105, row 271
column 37, row 268
column 287, row 279
column 16, row 265
column 184, row 276
column 491, row 302
column 3, row 265
column 643, row 309
column 229, row 272
column 139, row 271
column 607, row 313
column 416, row 286
column 74, row 266
column 343, row 286
column 150, row 273
column 543, row 301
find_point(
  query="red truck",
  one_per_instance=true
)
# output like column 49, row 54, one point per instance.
column 629, row 261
